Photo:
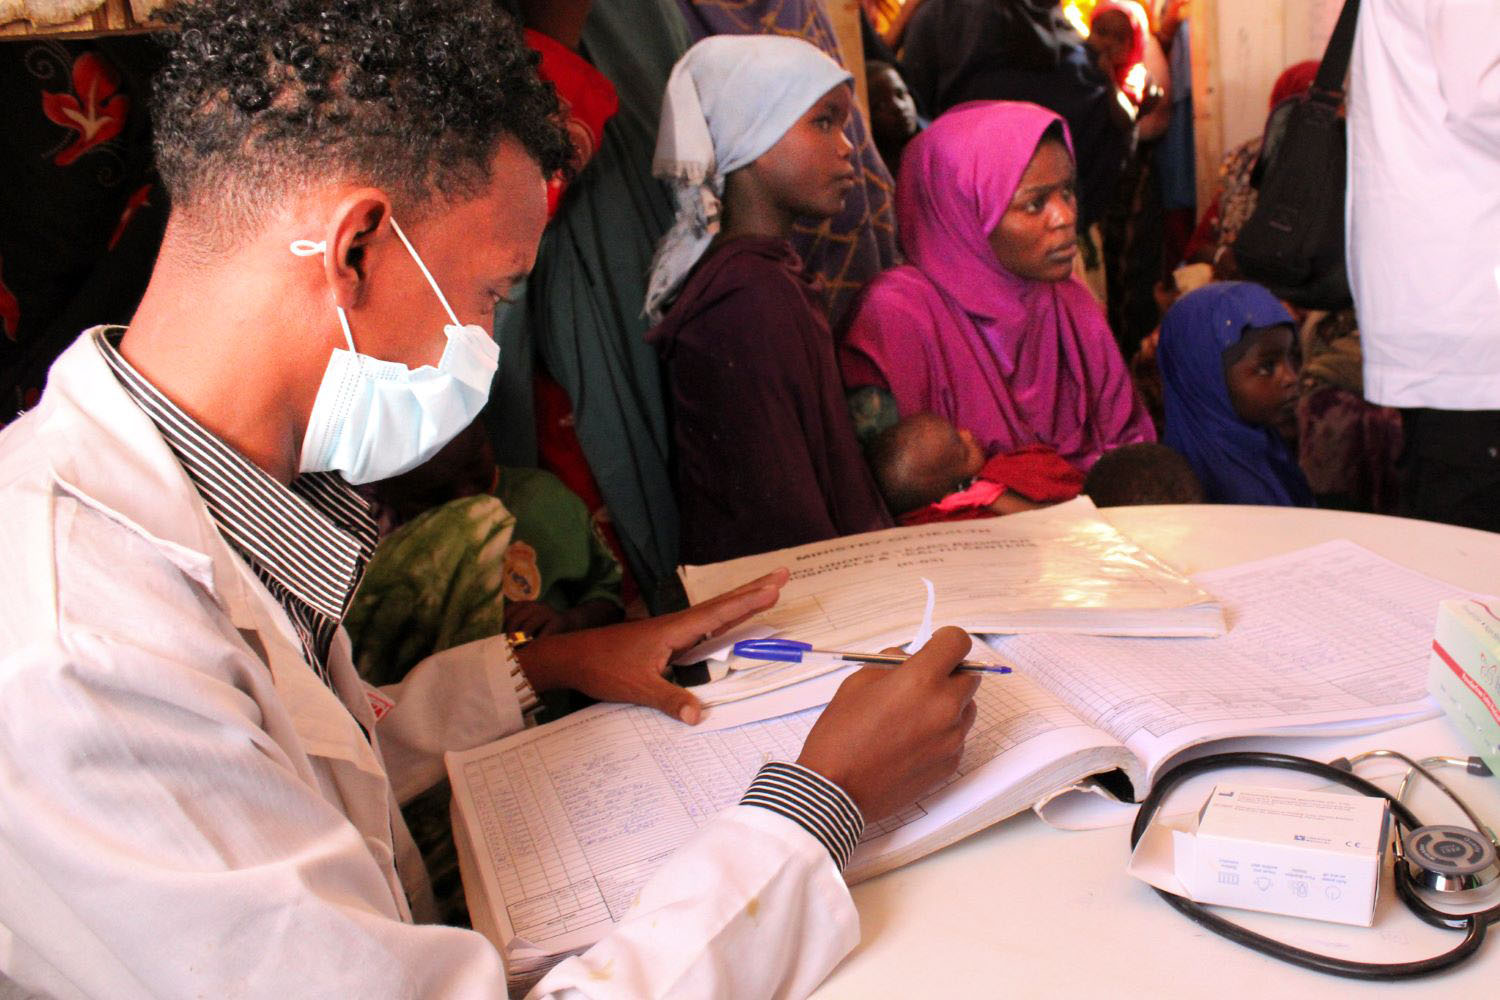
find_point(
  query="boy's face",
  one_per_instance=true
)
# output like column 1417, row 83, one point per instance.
column 809, row 171
column 893, row 112
column 1262, row 379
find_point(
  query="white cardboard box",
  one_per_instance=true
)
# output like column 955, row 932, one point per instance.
column 1306, row 854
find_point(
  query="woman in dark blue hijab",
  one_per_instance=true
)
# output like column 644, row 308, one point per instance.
column 1229, row 376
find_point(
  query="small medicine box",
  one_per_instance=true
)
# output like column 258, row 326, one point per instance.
column 1278, row 850
column 1464, row 671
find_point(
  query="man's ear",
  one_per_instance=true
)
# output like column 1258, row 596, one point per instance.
column 355, row 222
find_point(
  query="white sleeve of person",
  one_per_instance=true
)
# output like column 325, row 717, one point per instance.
column 753, row 906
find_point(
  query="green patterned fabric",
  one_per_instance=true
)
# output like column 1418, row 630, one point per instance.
column 444, row 578
column 435, row 582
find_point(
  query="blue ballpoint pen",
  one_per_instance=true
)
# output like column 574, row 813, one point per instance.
column 793, row 651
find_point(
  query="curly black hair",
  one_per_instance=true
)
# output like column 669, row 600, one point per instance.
column 257, row 97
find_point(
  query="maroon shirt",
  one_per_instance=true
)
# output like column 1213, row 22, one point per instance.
column 765, row 455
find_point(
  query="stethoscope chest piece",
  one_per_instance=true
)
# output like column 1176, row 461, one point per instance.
column 1450, row 858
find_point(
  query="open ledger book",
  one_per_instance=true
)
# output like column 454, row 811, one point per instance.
column 559, row 826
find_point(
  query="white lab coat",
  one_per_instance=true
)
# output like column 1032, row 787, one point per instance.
column 1424, row 201
column 186, row 810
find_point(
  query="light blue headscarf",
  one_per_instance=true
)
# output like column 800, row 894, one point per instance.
column 729, row 99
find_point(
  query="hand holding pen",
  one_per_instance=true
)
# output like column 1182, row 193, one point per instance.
column 890, row 735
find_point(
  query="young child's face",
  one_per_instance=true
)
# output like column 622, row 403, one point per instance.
column 893, row 112
column 1262, row 379
column 809, row 171
column 1037, row 237
column 1112, row 36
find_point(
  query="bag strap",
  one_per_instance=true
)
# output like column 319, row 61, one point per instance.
column 1328, row 86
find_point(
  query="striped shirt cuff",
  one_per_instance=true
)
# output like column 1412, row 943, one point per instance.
column 811, row 801
column 525, row 694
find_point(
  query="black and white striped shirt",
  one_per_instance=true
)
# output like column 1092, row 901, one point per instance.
column 811, row 801
column 307, row 542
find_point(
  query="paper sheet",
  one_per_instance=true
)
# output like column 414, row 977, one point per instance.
column 1328, row 634
column 1061, row 568
column 569, row 819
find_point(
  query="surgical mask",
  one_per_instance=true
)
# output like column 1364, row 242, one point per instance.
column 376, row 419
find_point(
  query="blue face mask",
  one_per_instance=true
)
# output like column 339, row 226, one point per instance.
column 376, row 419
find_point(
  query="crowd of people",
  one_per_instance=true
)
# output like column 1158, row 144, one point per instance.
column 282, row 539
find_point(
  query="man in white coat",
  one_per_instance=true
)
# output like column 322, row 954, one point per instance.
column 198, row 796
column 1424, row 243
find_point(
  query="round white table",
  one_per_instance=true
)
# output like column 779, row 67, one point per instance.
column 1023, row 910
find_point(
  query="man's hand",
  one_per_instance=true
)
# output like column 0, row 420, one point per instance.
column 626, row 662
column 890, row 735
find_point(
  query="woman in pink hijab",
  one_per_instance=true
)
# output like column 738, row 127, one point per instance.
column 986, row 324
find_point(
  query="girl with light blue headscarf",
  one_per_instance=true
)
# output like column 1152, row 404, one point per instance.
column 729, row 99
column 753, row 139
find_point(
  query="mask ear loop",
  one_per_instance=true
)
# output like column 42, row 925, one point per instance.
column 425, row 273
column 307, row 248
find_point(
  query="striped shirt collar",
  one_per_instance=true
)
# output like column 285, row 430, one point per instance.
column 312, row 538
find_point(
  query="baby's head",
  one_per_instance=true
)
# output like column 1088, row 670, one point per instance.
column 1147, row 473
column 922, row 459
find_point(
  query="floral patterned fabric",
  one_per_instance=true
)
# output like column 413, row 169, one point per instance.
column 81, row 213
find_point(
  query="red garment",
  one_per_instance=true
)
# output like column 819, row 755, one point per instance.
column 1036, row 472
column 1295, row 79
column 588, row 101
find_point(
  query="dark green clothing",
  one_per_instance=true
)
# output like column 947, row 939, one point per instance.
column 574, row 562
column 581, row 309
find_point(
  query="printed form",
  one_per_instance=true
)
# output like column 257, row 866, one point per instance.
column 571, row 818
column 1320, row 636
column 565, row 822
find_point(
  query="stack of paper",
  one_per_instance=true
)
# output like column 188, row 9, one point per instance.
column 1059, row 569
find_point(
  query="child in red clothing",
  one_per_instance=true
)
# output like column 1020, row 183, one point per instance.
column 928, row 470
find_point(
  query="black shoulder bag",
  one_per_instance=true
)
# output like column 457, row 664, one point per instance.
column 1293, row 243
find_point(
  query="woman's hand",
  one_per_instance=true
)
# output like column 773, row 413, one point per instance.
column 626, row 662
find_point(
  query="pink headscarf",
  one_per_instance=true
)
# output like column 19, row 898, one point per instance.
column 1014, row 360
column 1139, row 27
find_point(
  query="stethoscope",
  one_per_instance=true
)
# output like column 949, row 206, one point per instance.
column 1443, row 859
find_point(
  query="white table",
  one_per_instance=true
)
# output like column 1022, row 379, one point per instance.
column 1024, row 910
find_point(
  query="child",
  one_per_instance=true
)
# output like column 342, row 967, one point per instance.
column 893, row 112
column 1145, row 473
column 1119, row 32
column 752, row 137
column 1229, row 381
column 478, row 549
column 928, row 470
